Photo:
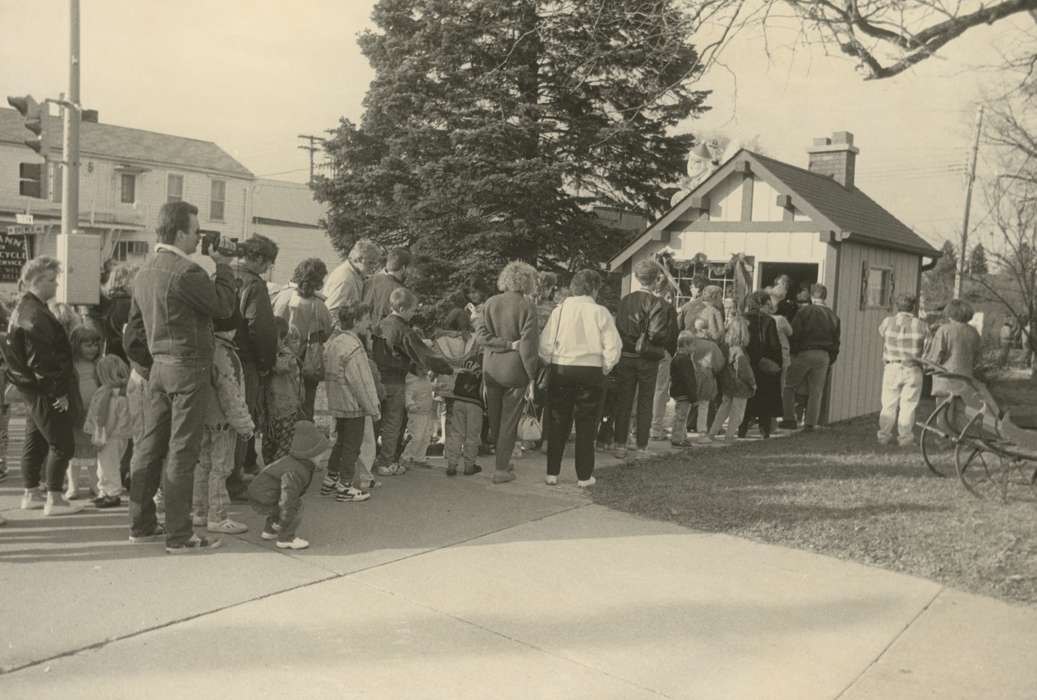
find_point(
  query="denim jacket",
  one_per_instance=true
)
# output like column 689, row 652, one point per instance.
column 177, row 303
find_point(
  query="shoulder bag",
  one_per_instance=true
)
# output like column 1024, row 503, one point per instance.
column 543, row 379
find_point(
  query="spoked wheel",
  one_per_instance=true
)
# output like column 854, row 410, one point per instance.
column 986, row 474
column 938, row 442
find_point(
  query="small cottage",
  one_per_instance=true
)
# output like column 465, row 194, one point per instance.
column 812, row 224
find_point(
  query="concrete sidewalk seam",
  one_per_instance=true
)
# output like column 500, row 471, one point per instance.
column 528, row 645
column 893, row 641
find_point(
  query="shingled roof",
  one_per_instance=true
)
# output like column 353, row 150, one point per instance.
column 123, row 143
column 849, row 209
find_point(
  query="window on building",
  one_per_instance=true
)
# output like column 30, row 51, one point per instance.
column 716, row 273
column 125, row 250
column 175, row 188
column 879, row 287
column 129, row 188
column 217, row 200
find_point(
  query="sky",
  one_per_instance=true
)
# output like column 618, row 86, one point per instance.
column 251, row 75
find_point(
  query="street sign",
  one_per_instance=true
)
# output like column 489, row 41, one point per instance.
column 13, row 254
column 23, row 218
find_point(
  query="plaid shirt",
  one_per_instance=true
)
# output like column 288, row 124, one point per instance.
column 905, row 336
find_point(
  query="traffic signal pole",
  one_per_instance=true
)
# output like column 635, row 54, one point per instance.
column 72, row 112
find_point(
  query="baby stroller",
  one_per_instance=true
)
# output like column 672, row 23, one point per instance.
column 969, row 435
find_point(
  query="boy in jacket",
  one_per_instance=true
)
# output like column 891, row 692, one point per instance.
column 683, row 388
column 277, row 491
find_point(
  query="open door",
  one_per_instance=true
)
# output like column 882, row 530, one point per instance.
column 802, row 274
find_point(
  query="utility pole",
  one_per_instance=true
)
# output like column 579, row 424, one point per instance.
column 312, row 147
column 70, row 181
column 963, row 251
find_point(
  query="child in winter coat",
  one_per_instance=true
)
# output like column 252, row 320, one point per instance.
column 683, row 388
column 352, row 399
column 461, row 391
column 86, row 350
column 226, row 418
column 738, row 381
column 109, row 425
column 277, row 490
column 709, row 361
column 284, row 394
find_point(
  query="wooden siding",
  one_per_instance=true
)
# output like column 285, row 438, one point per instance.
column 765, row 202
column 857, row 376
column 725, row 200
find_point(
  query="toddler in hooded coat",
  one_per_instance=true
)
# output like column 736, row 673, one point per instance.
column 277, row 491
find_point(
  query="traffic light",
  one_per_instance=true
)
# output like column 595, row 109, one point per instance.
column 35, row 116
column 32, row 180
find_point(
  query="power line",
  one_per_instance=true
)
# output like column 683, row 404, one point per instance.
column 312, row 148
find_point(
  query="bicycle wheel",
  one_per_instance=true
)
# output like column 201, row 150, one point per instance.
column 938, row 443
column 984, row 473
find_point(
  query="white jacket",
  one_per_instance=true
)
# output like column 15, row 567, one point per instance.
column 580, row 332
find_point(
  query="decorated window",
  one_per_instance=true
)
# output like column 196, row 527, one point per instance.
column 721, row 273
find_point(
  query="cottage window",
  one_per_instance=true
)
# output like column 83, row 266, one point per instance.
column 879, row 287
column 217, row 199
column 175, row 188
column 124, row 250
column 716, row 273
column 129, row 188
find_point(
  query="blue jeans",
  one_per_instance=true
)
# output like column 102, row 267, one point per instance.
column 174, row 415
column 394, row 418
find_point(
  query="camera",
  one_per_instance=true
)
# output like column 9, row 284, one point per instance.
column 212, row 240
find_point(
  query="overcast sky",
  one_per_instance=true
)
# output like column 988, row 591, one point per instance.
column 252, row 75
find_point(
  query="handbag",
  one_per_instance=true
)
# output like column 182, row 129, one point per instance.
column 313, row 359
column 542, row 383
column 530, row 429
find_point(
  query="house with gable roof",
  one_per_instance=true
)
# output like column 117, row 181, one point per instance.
column 126, row 175
column 812, row 224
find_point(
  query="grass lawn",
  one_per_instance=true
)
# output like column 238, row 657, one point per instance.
column 839, row 493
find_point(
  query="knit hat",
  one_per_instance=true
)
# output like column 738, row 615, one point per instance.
column 308, row 441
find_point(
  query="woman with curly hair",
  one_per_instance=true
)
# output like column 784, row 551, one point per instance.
column 303, row 307
column 508, row 332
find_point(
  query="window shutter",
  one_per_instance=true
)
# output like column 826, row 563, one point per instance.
column 892, row 287
column 864, row 285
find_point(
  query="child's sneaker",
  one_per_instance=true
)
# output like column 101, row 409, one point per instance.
column 551, row 480
column 56, row 505
column 584, row 483
column 271, row 534
column 227, row 527
column 297, row 543
column 390, row 470
column 32, row 499
column 331, row 485
column 195, row 544
column 352, row 495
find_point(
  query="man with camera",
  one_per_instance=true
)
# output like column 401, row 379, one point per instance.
column 256, row 338
column 175, row 302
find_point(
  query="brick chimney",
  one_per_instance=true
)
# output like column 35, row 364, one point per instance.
column 835, row 157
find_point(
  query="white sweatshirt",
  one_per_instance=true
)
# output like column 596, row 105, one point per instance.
column 580, row 332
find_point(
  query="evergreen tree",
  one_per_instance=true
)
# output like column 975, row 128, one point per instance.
column 491, row 126
column 978, row 261
column 938, row 282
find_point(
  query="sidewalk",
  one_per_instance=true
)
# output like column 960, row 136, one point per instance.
column 455, row 588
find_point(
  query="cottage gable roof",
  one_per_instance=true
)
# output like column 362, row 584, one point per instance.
column 848, row 213
column 123, row 143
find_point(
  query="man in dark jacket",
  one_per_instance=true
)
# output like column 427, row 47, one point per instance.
column 814, row 347
column 256, row 339
column 398, row 350
column 39, row 363
column 379, row 287
column 648, row 327
column 176, row 303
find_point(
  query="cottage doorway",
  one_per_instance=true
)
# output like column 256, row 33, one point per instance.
column 802, row 274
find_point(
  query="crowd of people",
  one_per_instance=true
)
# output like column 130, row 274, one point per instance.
column 162, row 390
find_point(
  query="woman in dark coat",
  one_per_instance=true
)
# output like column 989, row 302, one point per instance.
column 765, row 405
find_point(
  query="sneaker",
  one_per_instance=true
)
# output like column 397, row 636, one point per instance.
column 788, row 425
column 584, row 483
column 390, row 470
column 195, row 544
column 551, row 480
column 500, row 477
column 71, row 494
column 199, row 520
column 154, row 536
column 332, row 485
column 227, row 527
column 107, row 502
column 56, row 505
column 352, row 495
column 267, row 535
column 297, row 543
column 472, row 470
column 32, row 499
